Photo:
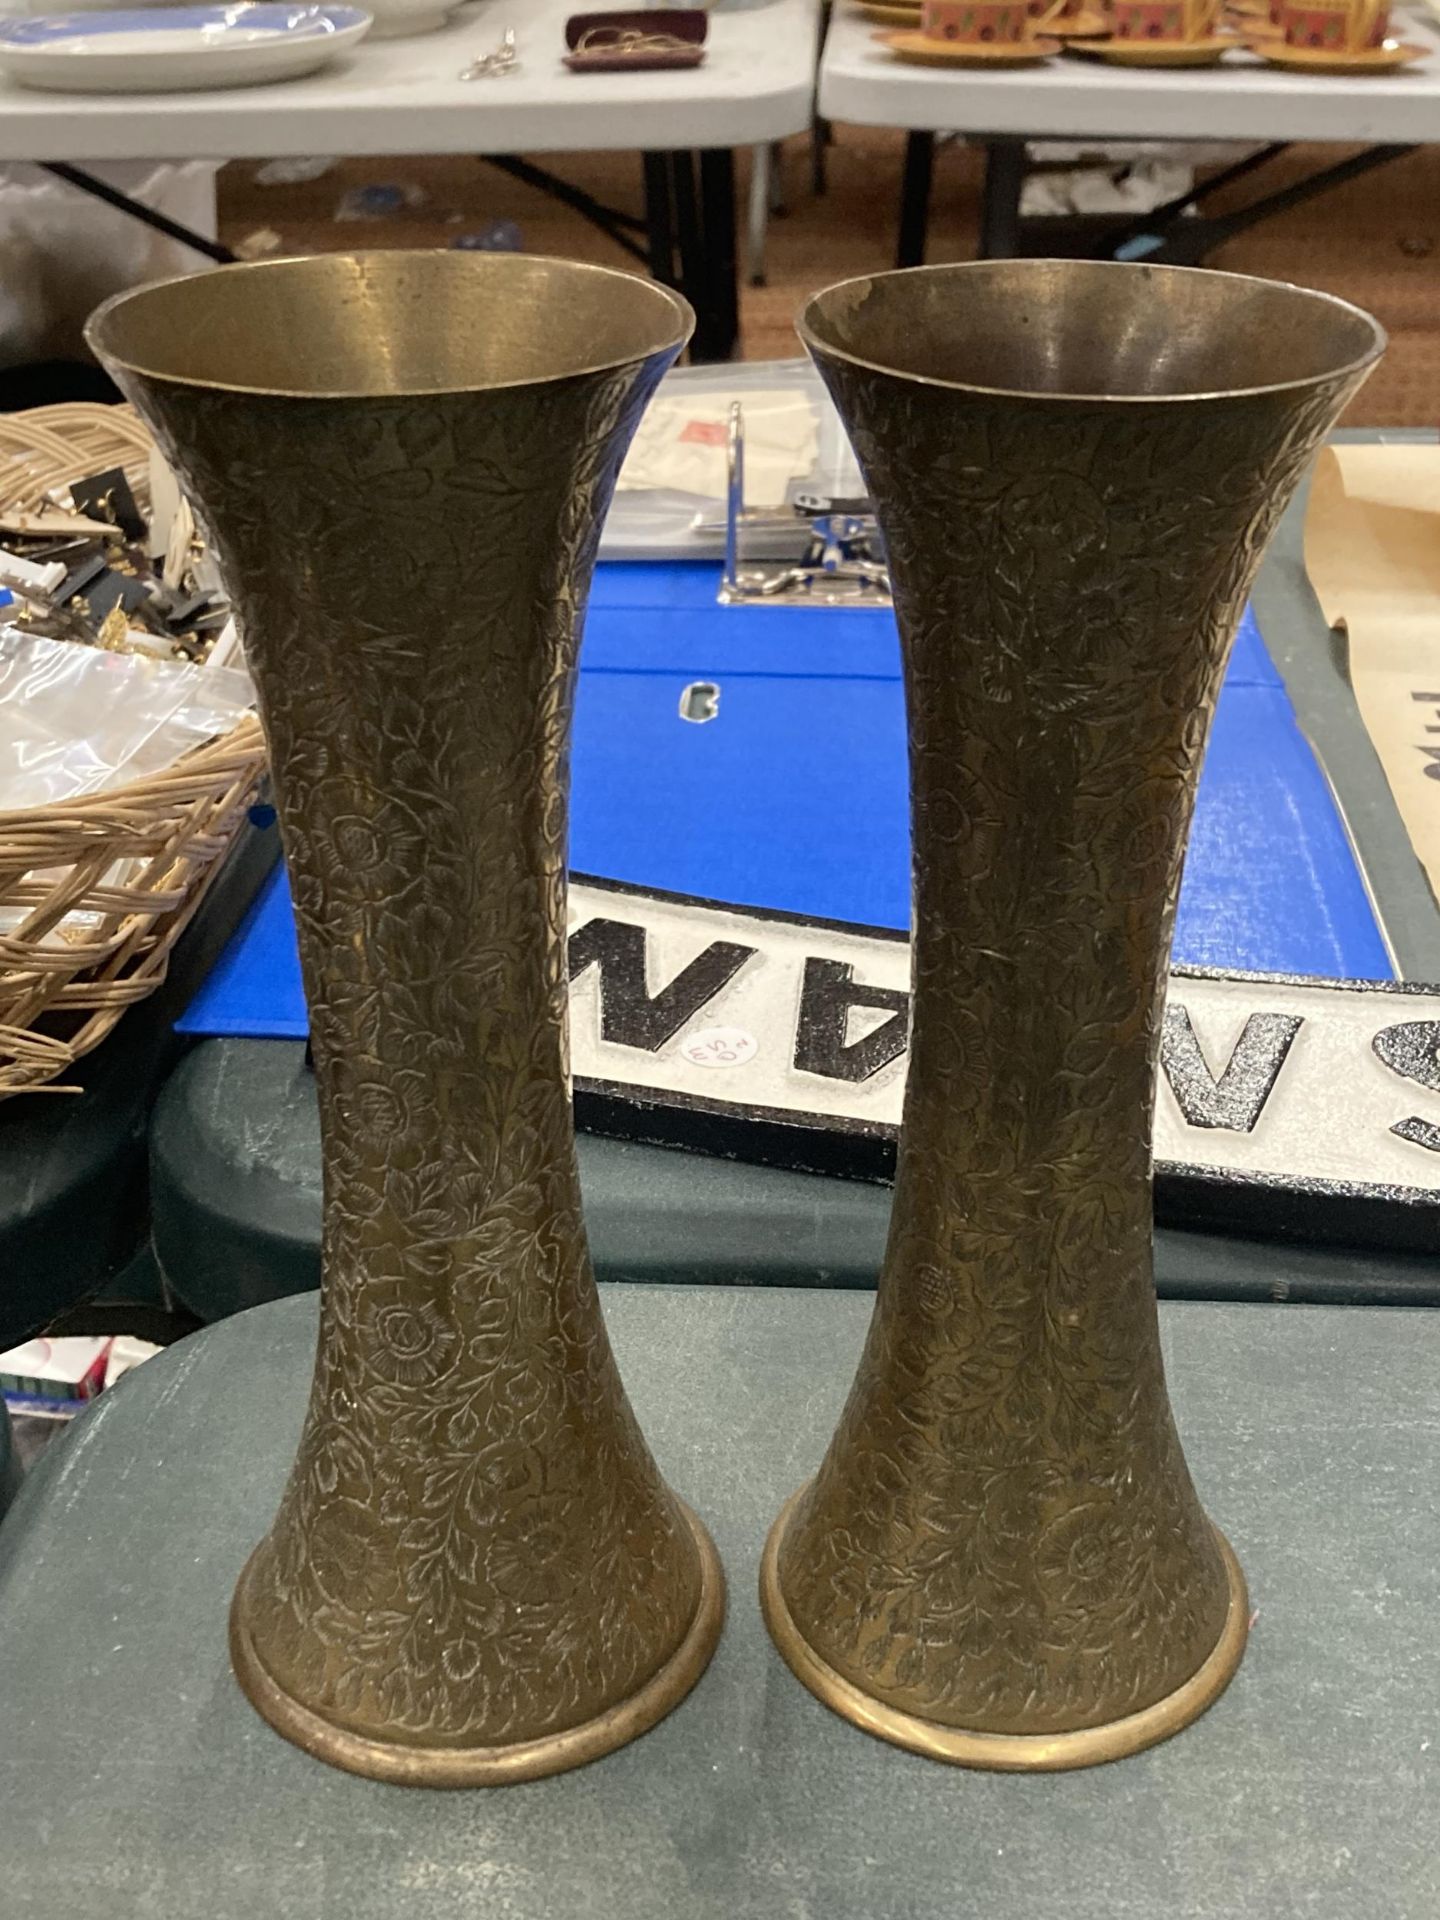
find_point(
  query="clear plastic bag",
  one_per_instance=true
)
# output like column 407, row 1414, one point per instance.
column 75, row 720
column 659, row 523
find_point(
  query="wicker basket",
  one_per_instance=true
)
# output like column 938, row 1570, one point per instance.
column 51, row 446
column 62, row 989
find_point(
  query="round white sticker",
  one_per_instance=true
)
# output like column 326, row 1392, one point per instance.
column 719, row 1047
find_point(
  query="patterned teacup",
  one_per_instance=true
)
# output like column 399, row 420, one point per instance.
column 985, row 23
column 1334, row 26
column 1165, row 21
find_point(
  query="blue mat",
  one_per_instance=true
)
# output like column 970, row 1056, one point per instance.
column 794, row 796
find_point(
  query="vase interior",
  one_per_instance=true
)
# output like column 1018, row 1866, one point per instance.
column 398, row 323
column 1090, row 329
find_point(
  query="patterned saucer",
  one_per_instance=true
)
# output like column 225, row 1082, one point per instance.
column 1387, row 58
column 1160, row 53
column 925, row 51
column 176, row 49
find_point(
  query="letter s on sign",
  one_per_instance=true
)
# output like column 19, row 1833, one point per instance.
column 1412, row 1049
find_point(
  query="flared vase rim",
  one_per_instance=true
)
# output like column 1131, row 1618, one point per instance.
column 671, row 341
column 817, row 346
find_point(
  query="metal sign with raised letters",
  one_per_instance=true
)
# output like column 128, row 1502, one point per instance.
column 1285, row 1105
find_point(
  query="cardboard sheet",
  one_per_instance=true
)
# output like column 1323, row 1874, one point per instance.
column 1372, row 550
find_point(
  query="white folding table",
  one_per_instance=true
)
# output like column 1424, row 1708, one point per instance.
column 406, row 97
column 1073, row 97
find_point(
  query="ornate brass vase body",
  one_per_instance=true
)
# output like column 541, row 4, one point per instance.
column 477, row 1573
column 1002, row 1561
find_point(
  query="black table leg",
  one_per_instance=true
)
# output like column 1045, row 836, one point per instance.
column 690, row 250
column 820, row 134
column 1182, row 242
column 1000, row 205
column 137, row 210
column 616, row 223
column 722, row 267
column 690, row 214
column 915, row 199
column 660, row 217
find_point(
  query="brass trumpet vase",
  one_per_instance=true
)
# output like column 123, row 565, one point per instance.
column 476, row 1574
column 1002, row 1561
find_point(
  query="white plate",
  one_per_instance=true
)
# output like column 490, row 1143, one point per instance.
column 168, row 49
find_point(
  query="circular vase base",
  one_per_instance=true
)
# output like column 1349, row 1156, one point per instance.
column 420, row 1766
column 1005, row 1752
